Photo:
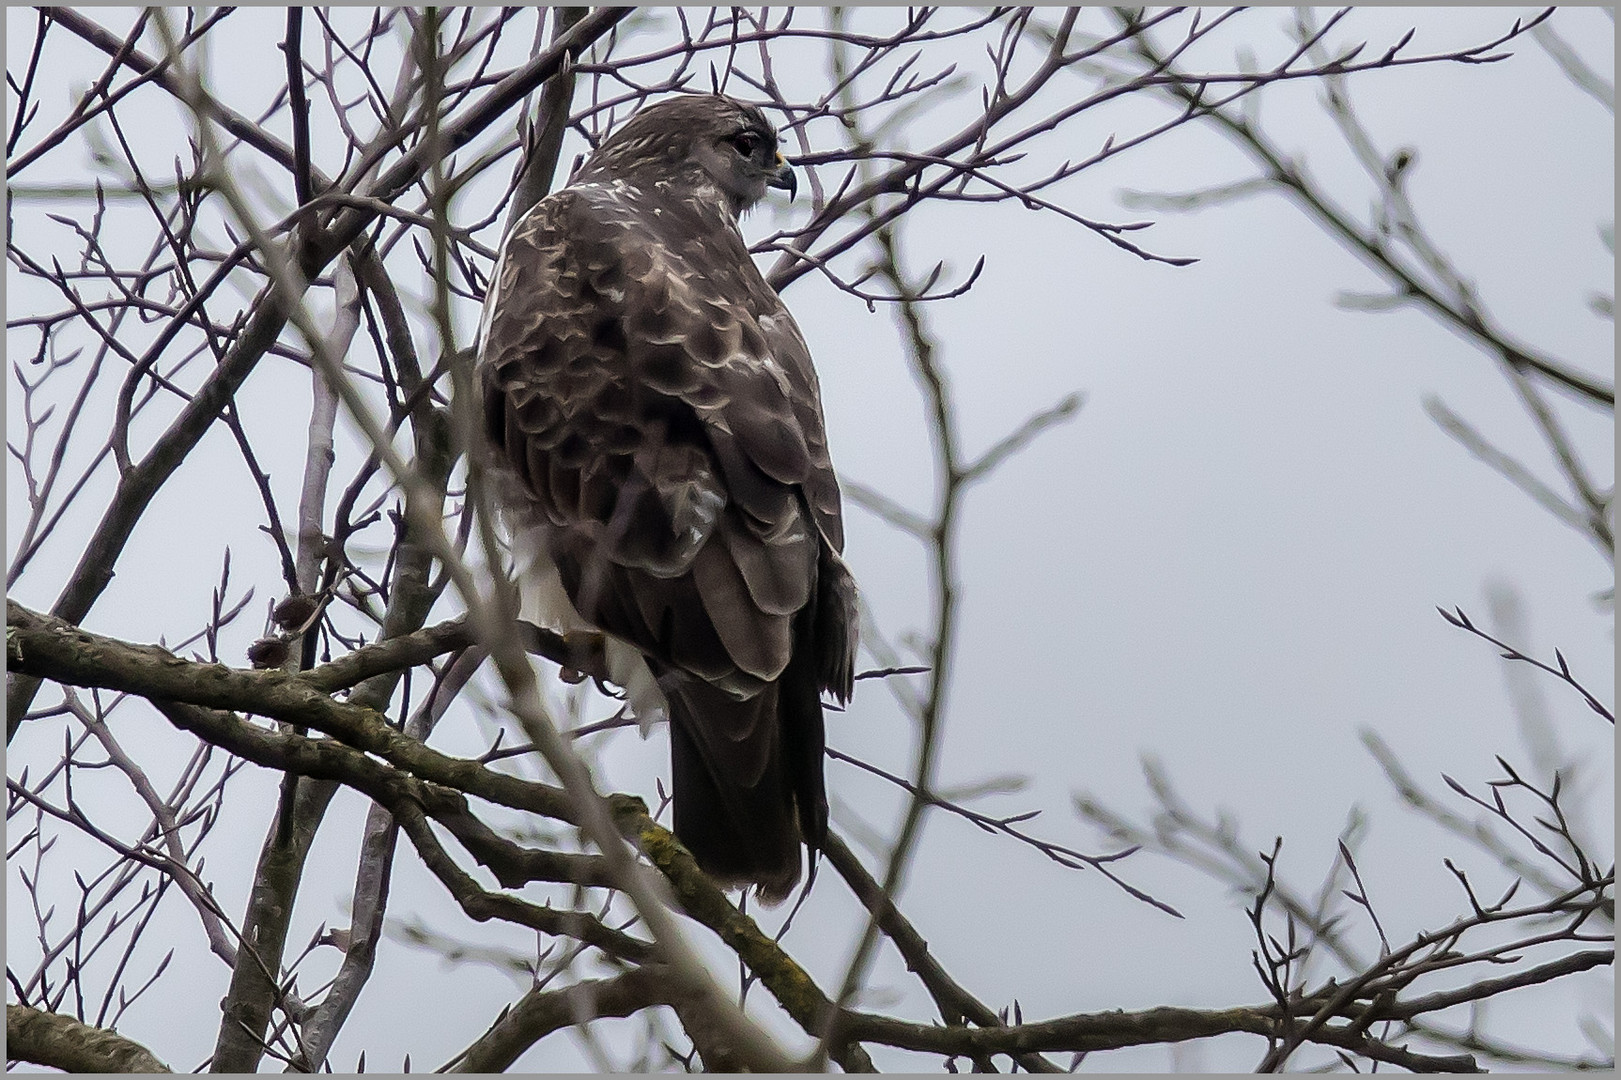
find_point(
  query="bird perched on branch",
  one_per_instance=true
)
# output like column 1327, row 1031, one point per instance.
column 658, row 426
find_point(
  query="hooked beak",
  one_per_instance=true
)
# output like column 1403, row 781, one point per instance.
column 784, row 178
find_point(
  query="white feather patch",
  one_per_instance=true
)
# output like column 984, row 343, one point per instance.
column 544, row 602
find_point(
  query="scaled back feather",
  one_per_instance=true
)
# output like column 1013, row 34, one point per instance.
column 657, row 420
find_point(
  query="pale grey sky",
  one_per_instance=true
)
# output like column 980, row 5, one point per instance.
column 1229, row 560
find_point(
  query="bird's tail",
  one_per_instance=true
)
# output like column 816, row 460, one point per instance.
column 747, row 778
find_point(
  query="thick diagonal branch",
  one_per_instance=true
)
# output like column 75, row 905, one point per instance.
column 61, row 1042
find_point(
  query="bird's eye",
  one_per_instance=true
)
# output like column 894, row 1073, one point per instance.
column 746, row 143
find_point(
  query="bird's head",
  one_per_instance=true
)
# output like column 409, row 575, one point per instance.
column 699, row 141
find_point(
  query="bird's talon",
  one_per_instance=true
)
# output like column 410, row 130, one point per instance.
column 587, row 654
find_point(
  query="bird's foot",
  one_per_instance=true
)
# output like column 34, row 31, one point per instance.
column 587, row 656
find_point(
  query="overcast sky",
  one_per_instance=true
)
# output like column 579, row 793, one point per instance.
column 1230, row 559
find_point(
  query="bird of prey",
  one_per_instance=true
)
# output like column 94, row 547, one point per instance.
column 658, row 427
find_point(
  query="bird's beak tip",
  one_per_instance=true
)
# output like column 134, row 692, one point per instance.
column 785, row 180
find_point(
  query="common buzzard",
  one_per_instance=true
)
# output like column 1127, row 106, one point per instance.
column 658, row 423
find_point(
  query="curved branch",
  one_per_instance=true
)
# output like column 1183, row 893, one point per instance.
column 61, row 1042
column 43, row 647
column 541, row 1012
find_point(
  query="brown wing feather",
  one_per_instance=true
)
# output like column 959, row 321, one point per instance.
column 638, row 402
